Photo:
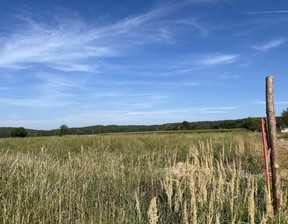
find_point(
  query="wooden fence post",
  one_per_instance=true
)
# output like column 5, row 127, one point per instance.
column 275, row 166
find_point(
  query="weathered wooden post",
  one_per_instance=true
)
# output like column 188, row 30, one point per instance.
column 275, row 166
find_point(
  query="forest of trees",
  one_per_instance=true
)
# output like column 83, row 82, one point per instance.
column 252, row 124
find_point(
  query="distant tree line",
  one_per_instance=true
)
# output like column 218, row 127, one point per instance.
column 250, row 123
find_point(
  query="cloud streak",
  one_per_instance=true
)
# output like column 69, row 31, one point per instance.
column 218, row 59
column 266, row 12
column 277, row 103
column 35, row 102
column 194, row 23
column 270, row 45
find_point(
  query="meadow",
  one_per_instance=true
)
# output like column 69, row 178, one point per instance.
column 138, row 178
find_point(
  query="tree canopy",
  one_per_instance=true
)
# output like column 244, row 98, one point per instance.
column 284, row 118
column 63, row 130
column 252, row 124
column 19, row 132
column 185, row 125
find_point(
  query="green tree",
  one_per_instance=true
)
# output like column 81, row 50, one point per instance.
column 19, row 132
column 63, row 130
column 168, row 127
column 229, row 124
column 185, row 125
column 284, row 118
column 252, row 124
column 195, row 126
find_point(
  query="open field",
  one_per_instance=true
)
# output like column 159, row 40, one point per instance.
column 139, row 178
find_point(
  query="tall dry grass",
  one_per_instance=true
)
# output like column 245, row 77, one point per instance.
column 183, row 178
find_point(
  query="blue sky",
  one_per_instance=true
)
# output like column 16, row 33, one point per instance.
column 88, row 62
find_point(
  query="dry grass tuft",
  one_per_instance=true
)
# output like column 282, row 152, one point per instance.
column 152, row 211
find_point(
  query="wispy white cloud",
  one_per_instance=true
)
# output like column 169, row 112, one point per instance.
column 71, row 67
column 192, row 64
column 276, row 103
column 202, row 83
column 106, row 95
column 35, row 102
column 217, row 59
column 199, row 110
column 194, row 23
column 137, row 101
column 157, row 12
column 226, row 76
column 246, row 64
column 270, row 45
column 48, row 91
column 168, row 84
column 217, row 108
column 258, row 25
column 135, row 21
column 131, row 105
column 251, row 30
column 165, row 35
column 55, row 86
column 5, row 88
column 266, row 12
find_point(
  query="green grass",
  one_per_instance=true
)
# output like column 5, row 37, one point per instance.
column 100, row 178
